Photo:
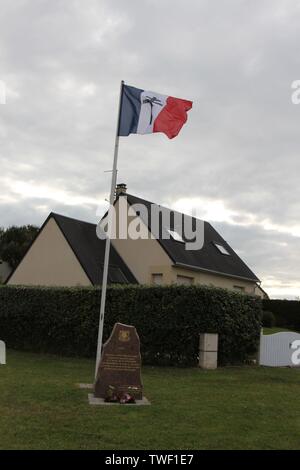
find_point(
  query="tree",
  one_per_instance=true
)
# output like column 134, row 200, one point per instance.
column 14, row 242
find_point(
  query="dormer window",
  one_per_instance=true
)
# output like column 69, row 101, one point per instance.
column 222, row 249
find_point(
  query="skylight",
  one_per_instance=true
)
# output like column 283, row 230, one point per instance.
column 175, row 236
column 221, row 249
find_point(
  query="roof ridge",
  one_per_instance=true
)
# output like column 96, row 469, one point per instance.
column 56, row 214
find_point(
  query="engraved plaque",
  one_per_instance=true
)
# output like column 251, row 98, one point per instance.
column 120, row 364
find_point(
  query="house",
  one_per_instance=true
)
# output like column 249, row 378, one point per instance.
column 166, row 261
column 260, row 292
column 67, row 252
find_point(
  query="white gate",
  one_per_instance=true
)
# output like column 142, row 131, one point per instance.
column 280, row 349
column 2, row 353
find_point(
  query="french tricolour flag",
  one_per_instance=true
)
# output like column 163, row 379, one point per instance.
column 145, row 112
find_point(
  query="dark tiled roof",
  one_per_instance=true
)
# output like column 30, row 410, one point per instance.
column 209, row 257
column 89, row 250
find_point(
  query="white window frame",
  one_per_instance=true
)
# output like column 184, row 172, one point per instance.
column 157, row 276
column 182, row 277
column 239, row 288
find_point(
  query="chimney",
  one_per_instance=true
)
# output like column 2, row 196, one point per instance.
column 121, row 189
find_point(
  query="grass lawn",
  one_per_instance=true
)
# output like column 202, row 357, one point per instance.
column 271, row 331
column 275, row 329
column 230, row 408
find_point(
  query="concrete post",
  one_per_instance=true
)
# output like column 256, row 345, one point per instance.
column 259, row 346
column 208, row 351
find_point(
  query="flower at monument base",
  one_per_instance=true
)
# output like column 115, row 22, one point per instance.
column 125, row 398
column 111, row 395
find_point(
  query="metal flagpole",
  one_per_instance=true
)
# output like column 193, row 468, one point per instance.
column 107, row 244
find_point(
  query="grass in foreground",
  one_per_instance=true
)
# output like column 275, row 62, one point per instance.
column 230, row 408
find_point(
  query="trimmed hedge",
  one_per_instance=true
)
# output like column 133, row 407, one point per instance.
column 168, row 320
column 286, row 312
column 268, row 319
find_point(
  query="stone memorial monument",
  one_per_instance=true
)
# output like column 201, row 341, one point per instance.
column 120, row 364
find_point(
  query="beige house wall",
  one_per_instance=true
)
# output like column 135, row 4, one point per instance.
column 50, row 262
column 170, row 276
column 216, row 280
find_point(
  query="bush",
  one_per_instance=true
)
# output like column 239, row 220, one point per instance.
column 268, row 319
column 168, row 320
column 286, row 312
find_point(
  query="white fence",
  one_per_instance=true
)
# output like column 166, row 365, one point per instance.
column 2, row 353
column 280, row 349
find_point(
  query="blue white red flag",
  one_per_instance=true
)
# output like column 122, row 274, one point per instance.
column 145, row 112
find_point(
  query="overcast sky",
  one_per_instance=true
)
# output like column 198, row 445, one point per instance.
column 236, row 160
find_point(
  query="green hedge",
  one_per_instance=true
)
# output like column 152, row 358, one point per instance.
column 168, row 320
column 286, row 312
